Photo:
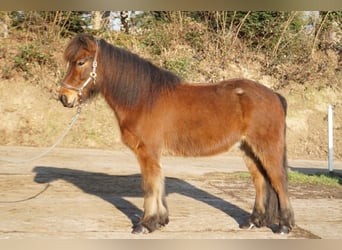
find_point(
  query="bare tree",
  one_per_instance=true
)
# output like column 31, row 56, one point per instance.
column 124, row 18
column 285, row 27
column 105, row 19
column 318, row 32
column 96, row 20
column 4, row 24
column 100, row 19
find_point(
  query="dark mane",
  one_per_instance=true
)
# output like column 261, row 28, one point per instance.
column 126, row 76
column 130, row 77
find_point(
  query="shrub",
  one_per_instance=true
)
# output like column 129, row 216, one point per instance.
column 31, row 54
column 182, row 66
column 157, row 41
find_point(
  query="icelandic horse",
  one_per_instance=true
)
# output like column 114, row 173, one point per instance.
column 157, row 111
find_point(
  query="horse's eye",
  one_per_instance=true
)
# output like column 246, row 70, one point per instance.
column 80, row 63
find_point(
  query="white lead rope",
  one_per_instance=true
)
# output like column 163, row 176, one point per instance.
column 48, row 150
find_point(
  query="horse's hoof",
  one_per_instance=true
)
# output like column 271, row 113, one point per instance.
column 283, row 230
column 140, row 229
column 248, row 225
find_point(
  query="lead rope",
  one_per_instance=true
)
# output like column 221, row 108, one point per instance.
column 45, row 152
column 48, row 150
column 29, row 198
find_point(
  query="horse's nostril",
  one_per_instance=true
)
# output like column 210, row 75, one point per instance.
column 64, row 100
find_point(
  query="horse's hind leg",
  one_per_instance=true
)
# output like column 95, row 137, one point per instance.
column 278, row 178
column 258, row 216
column 272, row 158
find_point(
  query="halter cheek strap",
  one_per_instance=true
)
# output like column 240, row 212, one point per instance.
column 92, row 76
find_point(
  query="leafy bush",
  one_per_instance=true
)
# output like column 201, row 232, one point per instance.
column 194, row 38
column 157, row 41
column 31, row 54
column 182, row 66
column 66, row 23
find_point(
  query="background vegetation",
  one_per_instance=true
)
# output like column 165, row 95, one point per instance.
column 180, row 40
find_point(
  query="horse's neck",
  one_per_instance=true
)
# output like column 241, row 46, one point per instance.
column 121, row 112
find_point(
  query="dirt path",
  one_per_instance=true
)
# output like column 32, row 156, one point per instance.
column 78, row 193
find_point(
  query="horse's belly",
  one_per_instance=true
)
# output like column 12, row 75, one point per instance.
column 201, row 139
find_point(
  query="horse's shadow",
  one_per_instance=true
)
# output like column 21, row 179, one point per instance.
column 113, row 189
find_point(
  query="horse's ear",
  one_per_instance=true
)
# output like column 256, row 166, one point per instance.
column 82, row 39
column 86, row 41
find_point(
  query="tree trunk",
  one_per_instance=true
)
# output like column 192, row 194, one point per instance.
column 124, row 17
column 96, row 21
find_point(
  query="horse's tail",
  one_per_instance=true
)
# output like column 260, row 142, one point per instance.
column 272, row 200
column 284, row 105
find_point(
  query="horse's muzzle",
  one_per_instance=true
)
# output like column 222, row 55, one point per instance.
column 66, row 102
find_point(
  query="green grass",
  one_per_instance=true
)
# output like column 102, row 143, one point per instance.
column 242, row 175
column 327, row 179
column 322, row 178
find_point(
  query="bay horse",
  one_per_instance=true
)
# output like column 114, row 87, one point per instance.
column 158, row 112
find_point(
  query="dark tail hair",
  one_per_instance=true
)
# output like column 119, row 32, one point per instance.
column 272, row 207
column 284, row 104
column 272, row 201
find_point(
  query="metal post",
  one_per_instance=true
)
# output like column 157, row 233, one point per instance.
column 330, row 140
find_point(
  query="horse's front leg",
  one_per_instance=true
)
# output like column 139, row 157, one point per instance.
column 155, row 207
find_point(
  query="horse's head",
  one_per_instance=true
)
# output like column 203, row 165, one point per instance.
column 81, row 54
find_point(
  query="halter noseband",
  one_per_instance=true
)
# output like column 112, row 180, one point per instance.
column 92, row 76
